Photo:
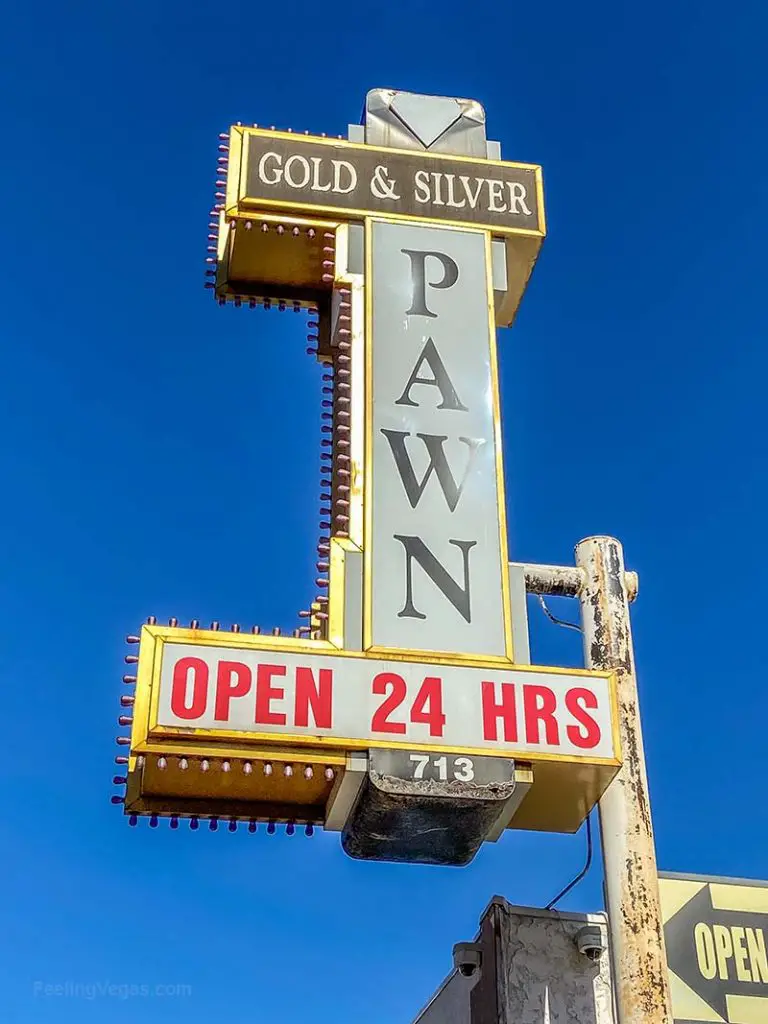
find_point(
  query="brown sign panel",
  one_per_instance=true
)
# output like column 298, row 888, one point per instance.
column 297, row 173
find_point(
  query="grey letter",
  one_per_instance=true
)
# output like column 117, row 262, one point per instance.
column 441, row 379
column 438, row 463
column 458, row 596
column 419, row 278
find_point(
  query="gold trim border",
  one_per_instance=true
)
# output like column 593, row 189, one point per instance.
column 501, row 504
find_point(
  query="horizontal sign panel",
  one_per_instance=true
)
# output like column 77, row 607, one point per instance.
column 332, row 175
column 343, row 700
column 716, row 935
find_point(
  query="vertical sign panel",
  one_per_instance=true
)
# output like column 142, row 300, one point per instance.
column 435, row 545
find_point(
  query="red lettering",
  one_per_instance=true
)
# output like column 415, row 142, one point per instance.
column 540, row 703
column 180, row 687
column 428, row 707
column 587, row 734
column 383, row 682
column 319, row 695
column 233, row 679
column 266, row 693
column 506, row 710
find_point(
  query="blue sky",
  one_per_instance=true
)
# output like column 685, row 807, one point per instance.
column 160, row 457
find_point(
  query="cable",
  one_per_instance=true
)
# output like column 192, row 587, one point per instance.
column 588, row 864
column 558, row 622
column 583, row 871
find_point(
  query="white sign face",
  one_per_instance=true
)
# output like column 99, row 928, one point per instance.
column 437, row 569
column 368, row 701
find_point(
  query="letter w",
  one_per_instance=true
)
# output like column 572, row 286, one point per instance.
column 438, row 463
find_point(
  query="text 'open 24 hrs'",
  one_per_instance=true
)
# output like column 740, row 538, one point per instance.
column 365, row 700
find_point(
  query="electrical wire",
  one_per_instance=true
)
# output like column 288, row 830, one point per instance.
column 553, row 618
column 588, row 864
column 582, row 873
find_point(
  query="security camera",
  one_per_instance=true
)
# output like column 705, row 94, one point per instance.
column 467, row 958
column 590, row 942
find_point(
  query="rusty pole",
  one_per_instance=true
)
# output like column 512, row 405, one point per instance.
column 629, row 856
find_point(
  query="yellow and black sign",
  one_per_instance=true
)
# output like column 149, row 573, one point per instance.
column 716, row 934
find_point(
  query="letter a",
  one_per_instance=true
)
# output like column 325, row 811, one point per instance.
column 438, row 379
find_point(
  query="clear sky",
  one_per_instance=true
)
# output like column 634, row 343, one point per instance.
column 160, row 457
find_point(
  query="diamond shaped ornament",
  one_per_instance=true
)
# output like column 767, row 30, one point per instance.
column 428, row 117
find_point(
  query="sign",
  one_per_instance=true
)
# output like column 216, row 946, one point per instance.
column 432, row 766
column 291, row 172
column 406, row 260
column 262, row 727
column 249, row 688
column 436, row 565
column 716, row 934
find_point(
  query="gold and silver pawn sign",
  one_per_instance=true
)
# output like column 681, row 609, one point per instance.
column 404, row 713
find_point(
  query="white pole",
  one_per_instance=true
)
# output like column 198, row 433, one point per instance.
column 629, row 856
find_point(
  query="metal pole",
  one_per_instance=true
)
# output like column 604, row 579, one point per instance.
column 629, row 857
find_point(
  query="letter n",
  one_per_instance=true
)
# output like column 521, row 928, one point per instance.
column 416, row 549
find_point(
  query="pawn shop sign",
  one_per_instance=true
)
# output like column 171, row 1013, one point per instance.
column 716, row 934
column 406, row 244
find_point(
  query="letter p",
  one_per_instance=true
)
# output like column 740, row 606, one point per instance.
column 419, row 280
column 232, row 680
